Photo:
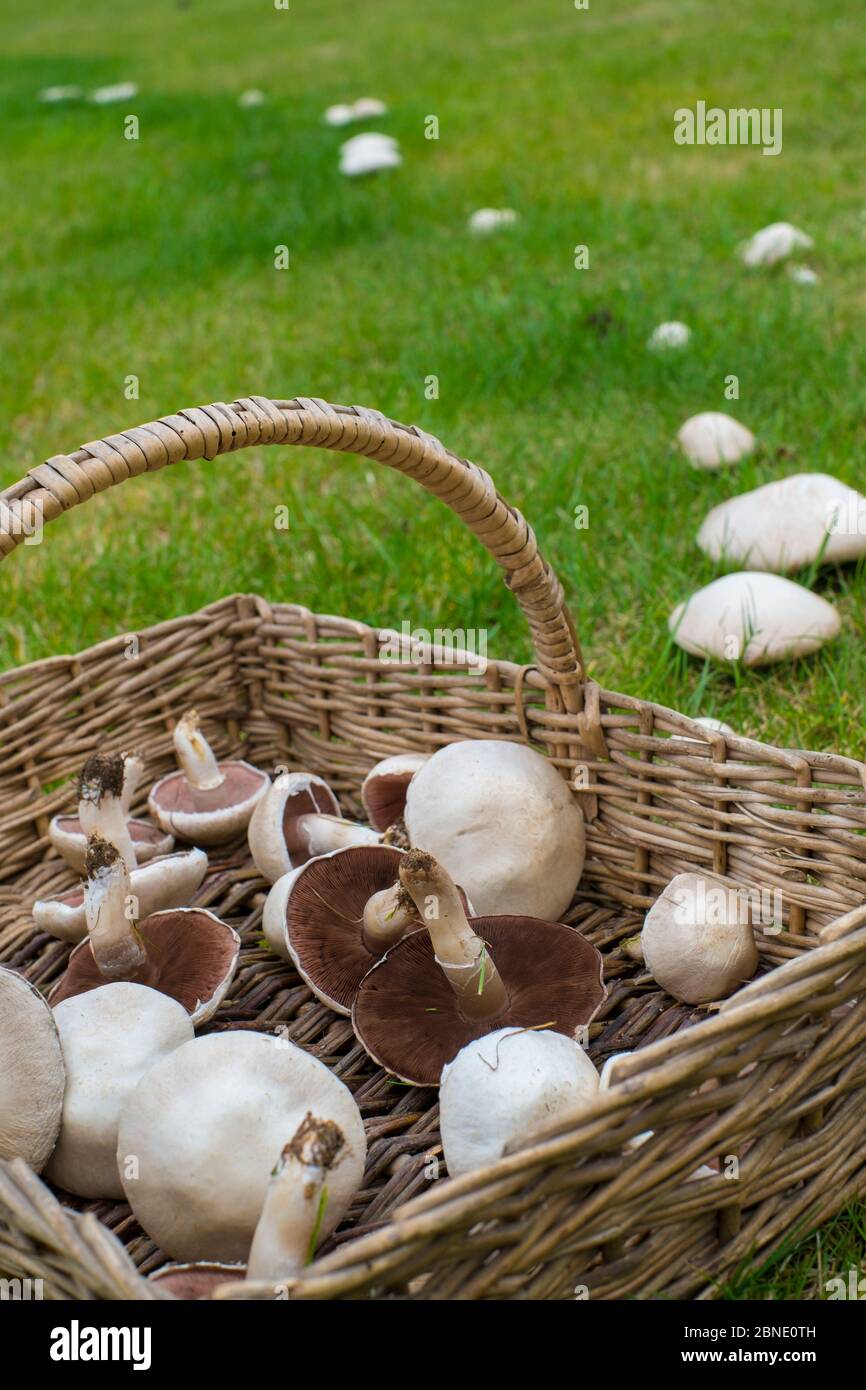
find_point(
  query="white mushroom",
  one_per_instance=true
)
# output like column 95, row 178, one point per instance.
column 104, row 809
column 773, row 244
column 367, row 153
column 713, row 438
column 32, row 1074
column 669, row 336
column 697, row 940
column 298, row 819
column 802, row 275
column 384, row 789
column 788, row 524
column 110, row 1038
column 502, row 1088
column 55, row 94
column 715, row 726
column 486, row 220
column 504, row 824
column 204, row 1125
column 251, row 97
column 207, row 802
column 169, row 881
column 118, row 91
column 754, row 618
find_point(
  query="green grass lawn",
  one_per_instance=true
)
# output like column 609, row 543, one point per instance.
column 155, row 258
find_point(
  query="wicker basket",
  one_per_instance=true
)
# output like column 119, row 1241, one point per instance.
column 772, row 1081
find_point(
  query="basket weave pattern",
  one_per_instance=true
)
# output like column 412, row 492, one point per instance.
column 772, row 1079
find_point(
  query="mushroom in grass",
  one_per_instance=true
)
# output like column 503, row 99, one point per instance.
column 32, row 1074
column 384, row 789
column 205, row 1124
column 206, row 802
column 110, row 1038
column 437, row 990
column 337, row 915
column 697, row 941
column 289, row 1227
column 297, row 819
column 106, row 786
column 503, row 1087
column 184, row 952
column 169, row 881
column 503, row 822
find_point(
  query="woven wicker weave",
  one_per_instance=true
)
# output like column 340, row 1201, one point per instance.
column 773, row 1078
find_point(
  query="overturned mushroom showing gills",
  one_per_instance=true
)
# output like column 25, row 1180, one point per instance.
column 105, row 813
column 297, row 819
column 110, row 1038
column 438, row 990
column 503, row 822
column 169, row 881
column 32, row 1073
column 337, row 915
column 502, row 1088
column 289, row 1227
column 384, row 789
column 206, row 802
column 205, row 1124
column 697, row 940
column 185, row 952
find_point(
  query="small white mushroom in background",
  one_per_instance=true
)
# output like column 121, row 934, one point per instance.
column 341, row 114
column 207, row 802
column 384, row 789
column 608, row 1079
column 503, row 1087
column 753, row 617
column 803, row 275
column 697, row 940
column 368, row 153
column 110, row 1038
column 55, row 94
column 669, row 336
column 298, row 819
column 773, row 244
column 503, row 822
column 487, row 220
column 206, row 1124
column 713, row 438
column 32, row 1074
column 715, row 726
column 252, row 97
column 367, row 107
column 119, row 91
column 788, row 524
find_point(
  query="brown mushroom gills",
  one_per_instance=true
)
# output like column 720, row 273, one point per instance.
column 240, row 783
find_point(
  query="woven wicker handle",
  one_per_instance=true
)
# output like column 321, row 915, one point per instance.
column 66, row 480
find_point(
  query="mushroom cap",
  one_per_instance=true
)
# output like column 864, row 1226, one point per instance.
column 501, row 1088
column 383, row 791
column 196, row 1281
column 208, row 1123
column 766, row 618
column 168, row 881
column 211, row 817
column 774, row 243
column 32, row 1073
column 110, row 1037
column 408, row 1018
column 193, row 953
column 788, row 524
column 503, row 822
column 274, row 841
column 314, row 918
column 697, row 940
column 713, row 438
column 69, row 839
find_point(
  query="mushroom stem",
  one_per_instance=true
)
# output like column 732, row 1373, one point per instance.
column 323, row 833
column 386, row 916
column 462, row 956
column 133, row 770
column 195, row 755
column 295, row 1202
column 115, row 941
column 102, row 809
